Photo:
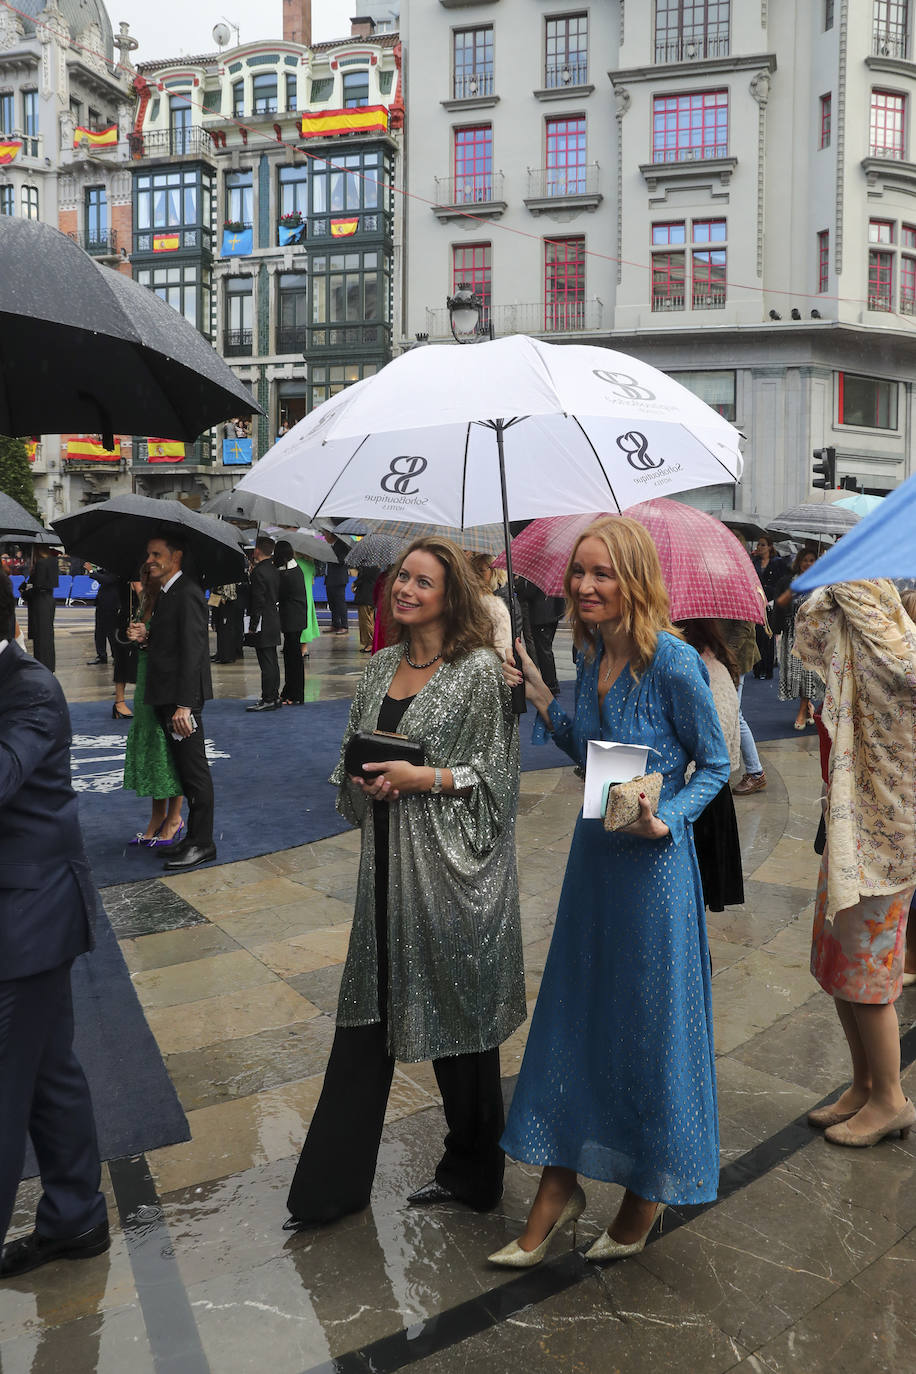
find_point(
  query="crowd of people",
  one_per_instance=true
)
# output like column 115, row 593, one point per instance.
column 618, row 1081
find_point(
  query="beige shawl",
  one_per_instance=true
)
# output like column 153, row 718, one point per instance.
column 857, row 637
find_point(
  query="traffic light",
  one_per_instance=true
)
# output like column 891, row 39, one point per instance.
column 824, row 468
column 849, row 484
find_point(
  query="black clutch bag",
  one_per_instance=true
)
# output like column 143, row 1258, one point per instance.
column 380, row 746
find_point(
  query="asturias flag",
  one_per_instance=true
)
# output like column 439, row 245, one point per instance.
column 9, row 150
column 165, row 450
column 290, row 233
column 96, row 138
column 237, row 242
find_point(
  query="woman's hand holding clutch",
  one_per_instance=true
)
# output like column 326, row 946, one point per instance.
column 649, row 827
column 394, row 779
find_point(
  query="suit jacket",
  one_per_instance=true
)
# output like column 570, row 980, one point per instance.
column 294, row 611
column 265, row 593
column 178, row 648
column 47, row 897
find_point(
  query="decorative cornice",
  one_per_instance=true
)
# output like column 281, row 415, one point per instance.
column 843, row 52
column 474, row 102
column 760, row 90
column 721, row 167
column 891, row 66
column 562, row 92
column 711, row 66
column 892, row 171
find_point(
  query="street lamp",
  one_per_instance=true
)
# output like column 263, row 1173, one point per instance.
column 464, row 311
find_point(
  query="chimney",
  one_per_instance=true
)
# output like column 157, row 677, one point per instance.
column 362, row 26
column 297, row 22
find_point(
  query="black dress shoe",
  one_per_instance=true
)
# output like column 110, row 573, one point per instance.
column 189, row 858
column 264, row 706
column 91, row 662
column 430, row 1194
column 30, row 1252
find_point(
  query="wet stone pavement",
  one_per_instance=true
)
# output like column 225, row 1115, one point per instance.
column 806, row 1263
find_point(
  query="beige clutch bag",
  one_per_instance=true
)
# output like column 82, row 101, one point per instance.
column 622, row 803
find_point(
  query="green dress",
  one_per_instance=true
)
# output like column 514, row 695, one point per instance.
column 311, row 630
column 149, row 769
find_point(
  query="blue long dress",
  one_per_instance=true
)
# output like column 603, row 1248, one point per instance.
column 618, row 1080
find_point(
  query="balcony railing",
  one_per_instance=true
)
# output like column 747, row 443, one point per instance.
column 709, row 298
column 237, row 343
column 880, row 302
column 697, row 153
column 100, row 243
column 475, row 188
column 32, row 145
column 187, row 238
column 907, row 304
column 890, row 43
column 566, row 74
column 887, row 151
column 666, row 300
column 347, row 336
column 292, row 338
column 540, row 317
column 472, row 85
column 544, row 183
column 692, row 49
column 192, row 142
column 368, row 222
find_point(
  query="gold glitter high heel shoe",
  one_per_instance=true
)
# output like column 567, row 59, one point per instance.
column 605, row 1248
column 512, row 1256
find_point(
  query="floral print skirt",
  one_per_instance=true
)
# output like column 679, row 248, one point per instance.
column 857, row 954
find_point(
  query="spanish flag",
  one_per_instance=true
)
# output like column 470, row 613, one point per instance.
column 369, row 119
column 166, row 243
column 31, row 448
column 86, row 449
column 96, row 138
column 165, row 451
column 343, row 228
column 9, row 151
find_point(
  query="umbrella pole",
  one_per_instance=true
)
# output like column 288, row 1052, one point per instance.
column 519, row 705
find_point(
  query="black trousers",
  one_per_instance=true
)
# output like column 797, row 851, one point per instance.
column 293, row 667
column 766, row 647
column 337, row 605
column 270, row 672
column 190, row 757
column 542, row 638
column 228, row 622
column 43, row 1092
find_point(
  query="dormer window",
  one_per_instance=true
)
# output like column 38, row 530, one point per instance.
column 356, row 89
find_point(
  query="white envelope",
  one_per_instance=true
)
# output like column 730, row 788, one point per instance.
column 610, row 762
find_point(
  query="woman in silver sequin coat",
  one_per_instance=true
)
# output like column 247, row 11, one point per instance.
column 434, row 968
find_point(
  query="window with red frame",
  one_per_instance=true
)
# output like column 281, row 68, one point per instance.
column 826, row 116
column 908, row 236
column 881, row 231
column 886, row 124
column 709, row 264
column 907, row 284
column 668, row 265
column 471, row 266
column 473, row 164
column 566, row 156
column 823, row 260
column 880, row 280
column 867, row 402
column 564, row 284
column 686, row 127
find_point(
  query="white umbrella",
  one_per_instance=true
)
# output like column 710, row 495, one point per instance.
column 575, row 428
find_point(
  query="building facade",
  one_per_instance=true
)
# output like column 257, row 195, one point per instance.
column 725, row 190
column 265, row 209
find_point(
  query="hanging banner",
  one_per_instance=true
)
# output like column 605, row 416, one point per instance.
column 96, row 138
column 290, row 233
column 237, row 242
column 86, row 448
column 166, row 243
column 31, row 448
column 237, row 453
column 343, row 228
column 9, row 151
column 367, row 120
column 165, row 451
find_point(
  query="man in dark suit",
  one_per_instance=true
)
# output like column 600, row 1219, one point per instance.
column 264, row 623
column 46, row 903
column 107, row 610
column 178, row 684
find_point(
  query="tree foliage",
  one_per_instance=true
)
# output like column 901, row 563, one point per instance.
column 16, row 474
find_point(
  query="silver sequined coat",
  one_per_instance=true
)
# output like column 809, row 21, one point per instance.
column 456, row 980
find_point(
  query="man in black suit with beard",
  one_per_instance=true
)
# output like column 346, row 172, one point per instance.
column 177, row 685
column 47, row 900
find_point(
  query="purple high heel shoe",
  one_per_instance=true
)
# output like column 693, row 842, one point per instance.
column 167, row 844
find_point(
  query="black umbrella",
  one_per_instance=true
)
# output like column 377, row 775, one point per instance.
column 15, row 519
column 310, row 545
column 257, row 510
column 85, row 348
column 114, row 534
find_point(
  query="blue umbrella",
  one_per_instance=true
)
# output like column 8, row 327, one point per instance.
column 880, row 545
column 860, row 503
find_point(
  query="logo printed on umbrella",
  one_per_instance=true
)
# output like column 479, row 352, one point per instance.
column 627, row 387
column 401, row 469
column 636, row 447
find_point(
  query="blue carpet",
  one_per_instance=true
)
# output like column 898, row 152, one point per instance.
column 768, row 717
column 136, row 1107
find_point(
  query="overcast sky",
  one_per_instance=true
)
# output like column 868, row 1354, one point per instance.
column 170, row 28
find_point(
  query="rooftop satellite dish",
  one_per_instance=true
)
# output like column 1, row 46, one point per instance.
column 221, row 35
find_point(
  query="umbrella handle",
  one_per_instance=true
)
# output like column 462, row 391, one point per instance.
column 519, row 704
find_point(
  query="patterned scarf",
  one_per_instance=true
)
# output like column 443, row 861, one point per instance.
column 857, row 637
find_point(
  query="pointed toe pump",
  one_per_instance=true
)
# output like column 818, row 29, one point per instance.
column 512, row 1256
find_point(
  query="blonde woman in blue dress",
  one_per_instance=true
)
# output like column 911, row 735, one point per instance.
column 618, row 1079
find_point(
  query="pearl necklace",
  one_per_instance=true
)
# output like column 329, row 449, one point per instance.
column 420, row 666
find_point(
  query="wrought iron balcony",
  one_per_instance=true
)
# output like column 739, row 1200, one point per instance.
column 292, row 338
column 881, row 301
column 550, row 317
column 368, row 224
column 237, row 343
column 886, row 151
column 698, row 153
column 559, row 183
column 907, row 304
column 692, row 49
column 334, row 335
column 472, row 85
column 891, row 43
column 574, row 73
column 100, row 243
column 666, row 300
column 480, row 191
column 165, row 143
column 709, row 298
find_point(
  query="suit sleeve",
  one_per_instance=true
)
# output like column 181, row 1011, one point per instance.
column 26, row 738
column 256, row 607
column 193, row 641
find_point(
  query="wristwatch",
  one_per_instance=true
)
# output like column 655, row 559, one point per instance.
column 437, row 782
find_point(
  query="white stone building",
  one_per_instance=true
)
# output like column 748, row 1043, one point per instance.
column 725, row 189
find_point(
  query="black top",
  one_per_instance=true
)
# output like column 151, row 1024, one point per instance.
column 265, row 593
column 291, row 600
column 390, row 713
column 389, row 718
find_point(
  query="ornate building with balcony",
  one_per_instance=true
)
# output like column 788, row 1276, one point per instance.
column 265, row 210
column 724, row 189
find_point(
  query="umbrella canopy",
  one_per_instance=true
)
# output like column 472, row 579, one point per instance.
column 860, row 503
column 85, row 348
column 114, row 534
column 47, row 537
column 581, row 429
column 246, row 507
column 15, row 519
column 376, row 550
column 311, row 545
column 473, row 538
column 811, row 519
column 881, row 545
column 747, row 522
column 706, row 571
